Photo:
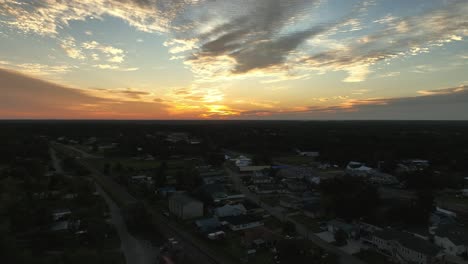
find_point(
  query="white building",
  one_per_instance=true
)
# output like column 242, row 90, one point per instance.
column 185, row 207
column 230, row 210
column 358, row 169
column 242, row 161
column 452, row 238
column 405, row 248
column 241, row 222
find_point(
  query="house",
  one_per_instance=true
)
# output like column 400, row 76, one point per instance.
column 165, row 191
column 446, row 212
column 213, row 192
column 465, row 192
column 247, row 170
column 259, row 237
column 290, row 202
column 208, row 225
column 298, row 173
column 141, row 179
column 312, row 154
column 314, row 180
column 403, row 247
column 381, row 178
column 60, row 214
column 262, row 180
column 241, row 222
column 242, row 161
column 412, row 165
column 452, row 238
column 184, row 206
column 252, row 207
column 351, row 230
column 295, row 185
column 358, row 169
column 312, row 210
column 268, row 189
column 230, row 210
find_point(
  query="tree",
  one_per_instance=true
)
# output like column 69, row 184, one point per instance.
column 289, row 228
column 341, row 238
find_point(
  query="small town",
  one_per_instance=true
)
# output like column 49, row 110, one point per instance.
column 175, row 200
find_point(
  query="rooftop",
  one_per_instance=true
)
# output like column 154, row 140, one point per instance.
column 409, row 241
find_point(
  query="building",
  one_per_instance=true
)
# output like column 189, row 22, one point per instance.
column 61, row 214
column 184, row 206
column 241, row 222
column 358, row 169
column 208, row 225
column 351, row 230
column 230, row 210
column 242, row 161
column 403, row 247
column 312, row 209
column 452, row 238
column 290, row 202
column 465, row 192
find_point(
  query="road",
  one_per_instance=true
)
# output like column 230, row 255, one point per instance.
column 136, row 251
column 192, row 248
column 55, row 161
column 345, row 258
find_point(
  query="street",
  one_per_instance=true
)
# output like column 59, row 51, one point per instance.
column 301, row 229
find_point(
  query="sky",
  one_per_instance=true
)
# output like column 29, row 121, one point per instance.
column 234, row 59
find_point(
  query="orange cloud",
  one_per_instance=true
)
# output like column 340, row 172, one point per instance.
column 28, row 97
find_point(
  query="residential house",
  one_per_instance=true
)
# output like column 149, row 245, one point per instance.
column 249, row 170
column 298, row 173
column 412, row 165
column 290, row 202
column 259, row 237
column 165, row 191
column 61, row 214
column 241, row 222
column 268, row 189
column 452, row 238
column 350, row 229
column 230, row 210
column 242, row 161
column 184, row 206
column 295, row 185
column 312, row 210
column 465, row 192
column 446, row 212
column 358, row 169
column 252, row 207
column 403, row 247
column 213, row 192
column 208, row 225
column 262, row 180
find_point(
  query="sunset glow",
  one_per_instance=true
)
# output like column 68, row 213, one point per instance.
column 251, row 59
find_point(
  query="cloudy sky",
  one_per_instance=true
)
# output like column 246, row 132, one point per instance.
column 234, row 59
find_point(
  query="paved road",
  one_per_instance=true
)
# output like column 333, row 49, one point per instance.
column 196, row 252
column 345, row 258
column 136, row 251
column 55, row 161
